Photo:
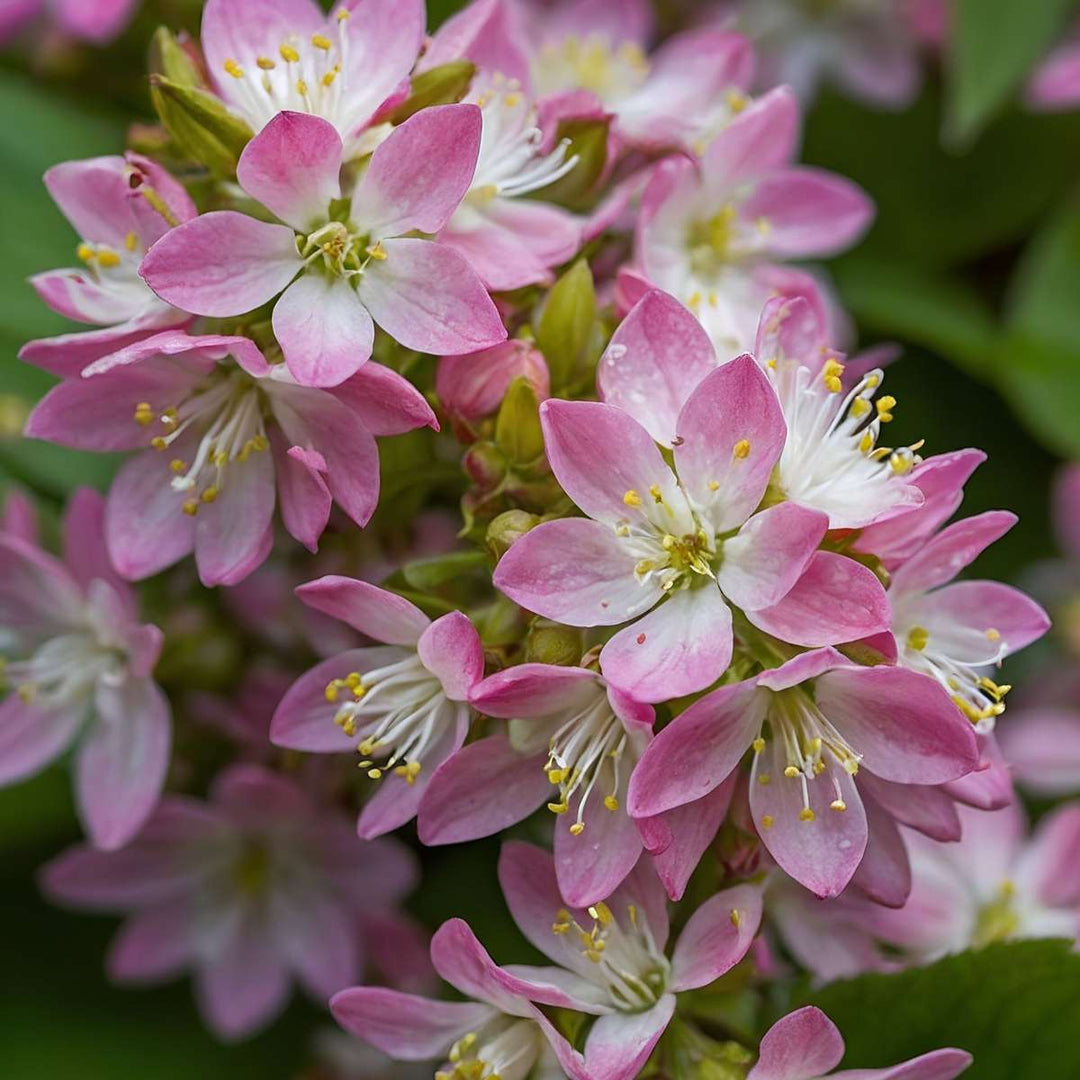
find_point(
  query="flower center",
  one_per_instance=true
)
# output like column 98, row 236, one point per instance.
column 339, row 250
column 226, row 414
column 627, row 961
column 590, row 64
column 715, row 242
column 397, row 712
column 251, row 873
column 504, row 1049
column 63, row 671
column 999, row 919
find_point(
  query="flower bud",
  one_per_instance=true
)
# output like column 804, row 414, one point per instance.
column 168, row 57
column 517, row 427
column 564, row 331
column 551, row 643
column 442, row 85
column 508, row 527
column 485, row 465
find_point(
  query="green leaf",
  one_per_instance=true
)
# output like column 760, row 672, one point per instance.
column 426, row 574
column 994, row 44
column 565, row 327
column 1014, row 1006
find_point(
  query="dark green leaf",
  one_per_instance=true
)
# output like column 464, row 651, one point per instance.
column 431, row 573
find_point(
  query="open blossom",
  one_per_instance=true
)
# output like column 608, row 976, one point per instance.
column 713, row 232
column 402, row 706
column 569, row 730
column 830, row 461
column 805, row 1045
column 224, row 436
column 496, row 1032
column 512, row 241
column 611, row 958
column 79, row 669
column 355, row 261
column 813, row 725
column 249, row 891
column 119, row 206
column 269, row 56
column 95, row 21
column 684, row 545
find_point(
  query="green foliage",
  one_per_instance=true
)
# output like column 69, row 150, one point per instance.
column 1014, row 1006
column 441, row 85
column 517, row 427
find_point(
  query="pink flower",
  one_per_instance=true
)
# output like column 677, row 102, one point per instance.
column 1055, row 83
column 712, row 232
column 355, row 260
column 611, row 959
column 472, row 386
column 249, row 891
column 814, row 724
column 406, row 699
column 221, row 431
column 497, row 1031
column 805, row 1045
column 94, row 21
column 568, row 729
column 686, row 544
column 119, row 206
column 269, row 56
column 830, row 461
column 83, row 676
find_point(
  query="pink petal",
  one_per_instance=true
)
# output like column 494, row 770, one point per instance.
column 450, row 649
column 989, row 786
column 576, row 571
column 385, row 402
column 291, row 167
column 37, row 593
column 474, row 384
column 533, row 690
column 619, row 1044
column 497, row 256
column 316, row 934
column 75, row 296
column 93, row 195
column 485, row 32
column 419, row 175
column 836, row 599
column 67, row 355
column 30, row 738
column 84, row 541
column 884, row 874
column 937, row 1065
column 716, row 937
column 760, row 139
column 799, row 1046
column 153, row 945
column 18, row 517
column 657, row 356
column 121, row 766
column 1051, row 863
column 734, row 406
column 679, row 647
column 1043, row 748
column 1067, row 509
column 927, row 809
column 427, row 297
column 464, row 963
column 375, row 612
column 221, row 264
column 902, row 723
column 697, row 751
column 324, row 330
column 302, row 492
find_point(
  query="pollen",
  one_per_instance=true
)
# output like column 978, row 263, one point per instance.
column 860, row 407
column 806, row 814
column 320, row 41
column 741, row 449
column 233, row 68
column 190, row 507
column 993, row 635
column 791, row 772
column 107, row 259
column 631, row 498
column 611, row 803
column 830, row 375
column 767, row 821
column 558, row 807
column 656, row 493
column 838, row 804
column 758, row 744
column 884, row 406
column 85, row 252
column 714, row 485
column 265, row 63
column 331, row 75
column 144, row 414
column 764, row 779
column 377, row 251
column 209, row 494
column 301, row 87
column 735, row 917
column 917, row 638
column 375, row 774
column 288, row 53
column 577, row 828
column 131, row 241
column 178, row 465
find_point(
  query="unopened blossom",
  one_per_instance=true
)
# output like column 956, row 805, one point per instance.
column 715, row 232
column 510, row 240
column 77, row 667
column 251, row 891
column 96, row 22
column 571, row 743
column 119, row 206
column 497, row 1032
column 830, row 461
column 402, row 706
column 271, row 56
column 813, row 725
column 351, row 249
column 611, row 959
column 224, row 437
column 671, row 552
column 805, row 1045
column 473, row 385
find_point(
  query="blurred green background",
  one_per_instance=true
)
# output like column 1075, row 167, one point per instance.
column 973, row 266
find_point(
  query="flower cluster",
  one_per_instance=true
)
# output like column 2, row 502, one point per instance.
column 703, row 615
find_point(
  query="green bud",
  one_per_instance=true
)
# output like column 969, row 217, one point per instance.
column 169, row 58
column 517, row 427
column 588, row 143
column 509, row 526
column 564, row 331
column 200, row 125
column 442, row 85
column 551, row 643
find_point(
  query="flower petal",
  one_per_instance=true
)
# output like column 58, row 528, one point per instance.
column 716, row 937
column 937, row 1065
column 376, row 612
column 760, row 139
column 385, row 402
column 620, row 1043
column 30, row 737
column 799, row 1046
column 450, row 649
column 884, row 874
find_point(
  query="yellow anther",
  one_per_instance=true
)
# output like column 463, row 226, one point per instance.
column 838, row 804
column 694, row 302
column 830, row 375
column 26, row 692
column 353, row 679
column 656, row 493
column 234, row 69
column 764, row 779
column 631, row 498
column 558, row 807
column 368, row 746
column 791, row 772
column 767, row 821
column 601, row 913
column 735, row 917
column 577, row 828
column 178, row 465
column 259, row 443
column 85, row 252
column 377, row 251
column 884, row 404
column 511, row 100
column 343, row 14
column 917, row 638
column 331, row 691
column 860, row 407
column 408, row 772
column 714, row 485
column 331, row 75
column 209, row 494
column 741, row 449
column 758, row 744
column 144, row 414
column 556, row 776
column 375, row 774
column 131, row 241
column 107, row 259
column 851, row 767
column 301, row 87
column 902, row 462
column 190, row 507
column 819, row 767
column 866, row 444
column 158, row 443
column 321, row 42
column 266, row 63
column 806, row 814
column 288, row 54
column 611, row 803
column 993, row 635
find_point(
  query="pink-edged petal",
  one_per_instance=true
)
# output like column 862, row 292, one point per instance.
column 84, row 541
column 716, row 938
column 324, row 330
column 944, row 1064
column 474, row 384
column 197, row 354
column 153, row 945
column 221, row 264
column 405, row 1026
column 18, row 517
column 657, row 356
column 302, row 492
column 576, row 571
column 484, row 788
column 925, row 808
column 76, row 296
column 533, row 690
column 902, row 723
column 427, row 297
column 955, row 547
column 990, row 785
column 291, row 167
column 1051, row 863
column 121, row 766
column 30, row 737
column 1042, row 746
column 497, row 256
column 464, row 963
column 697, row 751
column 799, row 1046
column 385, row 402
column 733, row 408
column 760, row 139
column 802, row 668
column 450, row 649
column 1067, row 506
column 679, row 647
column 619, row 1044
column 93, row 195
column 375, row 612
column 485, row 32
column 589, row 867
column 66, row 355
column 884, row 874
column 316, row 935
column 550, row 984
column 767, row 557
column 37, row 593
column 808, row 212
column 836, row 599
column 419, row 175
